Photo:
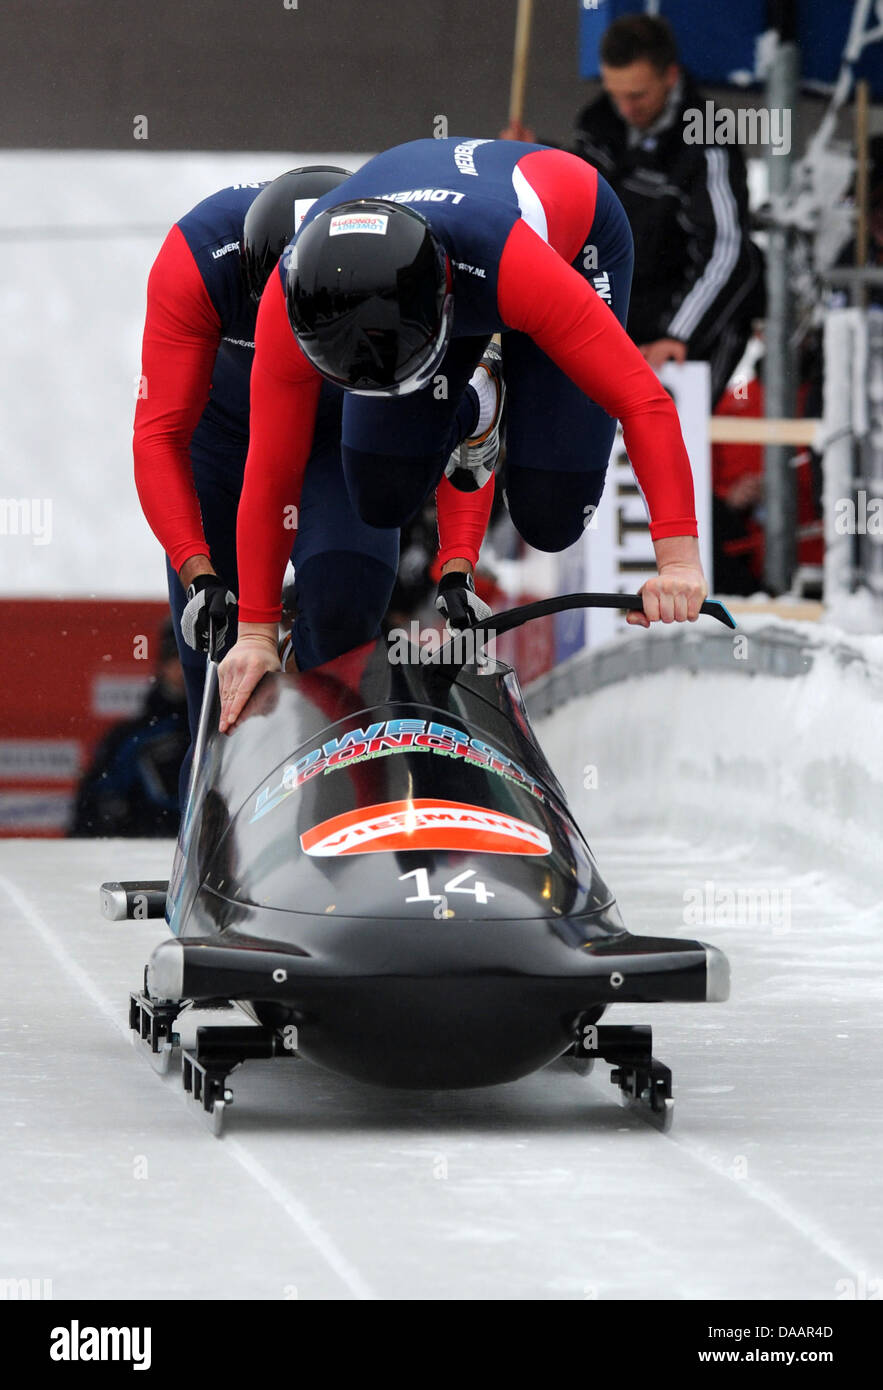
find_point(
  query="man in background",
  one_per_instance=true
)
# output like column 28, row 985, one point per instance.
column 698, row 279
column 131, row 787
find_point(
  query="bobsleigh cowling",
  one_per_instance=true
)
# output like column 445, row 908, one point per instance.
column 379, row 863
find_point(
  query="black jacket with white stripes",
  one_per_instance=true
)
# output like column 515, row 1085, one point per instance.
column 697, row 273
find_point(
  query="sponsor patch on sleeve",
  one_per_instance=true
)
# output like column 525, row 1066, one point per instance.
column 373, row 223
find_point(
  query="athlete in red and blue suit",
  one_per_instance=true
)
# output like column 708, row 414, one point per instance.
column 191, row 438
column 536, row 246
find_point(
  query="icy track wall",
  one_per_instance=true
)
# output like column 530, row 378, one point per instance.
column 772, row 734
column 80, row 231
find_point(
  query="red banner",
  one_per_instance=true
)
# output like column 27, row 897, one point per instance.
column 72, row 669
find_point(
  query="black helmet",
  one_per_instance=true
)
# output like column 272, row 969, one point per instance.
column 275, row 216
column 369, row 297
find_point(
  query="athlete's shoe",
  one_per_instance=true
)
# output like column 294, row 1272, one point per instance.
column 286, row 652
column 475, row 459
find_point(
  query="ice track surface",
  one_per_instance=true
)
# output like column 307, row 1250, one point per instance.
column 542, row 1189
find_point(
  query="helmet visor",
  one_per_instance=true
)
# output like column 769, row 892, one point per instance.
column 428, row 360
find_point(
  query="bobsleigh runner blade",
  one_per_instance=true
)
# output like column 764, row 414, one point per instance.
column 207, row 1089
column 644, row 1082
column 151, row 1024
column 653, row 1103
column 160, row 1059
column 217, row 1052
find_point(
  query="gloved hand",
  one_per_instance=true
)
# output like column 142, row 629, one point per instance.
column 458, row 602
column 209, row 603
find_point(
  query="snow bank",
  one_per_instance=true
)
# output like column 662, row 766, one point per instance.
column 772, row 733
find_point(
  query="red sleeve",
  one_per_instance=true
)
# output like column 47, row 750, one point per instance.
column 182, row 331
column 284, row 396
column 541, row 295
column 462, row 520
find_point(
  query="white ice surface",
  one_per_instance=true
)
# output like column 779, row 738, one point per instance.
column 766, row 1187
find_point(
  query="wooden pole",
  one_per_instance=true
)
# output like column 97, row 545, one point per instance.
column 751, row 429
column 519, row 61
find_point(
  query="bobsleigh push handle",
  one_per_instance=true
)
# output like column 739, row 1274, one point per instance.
column 514, row 617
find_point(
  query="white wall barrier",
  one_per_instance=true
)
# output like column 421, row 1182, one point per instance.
column 772, row 732
column 845, row 421
column 80, row 230
column 852, row 442
column 615, row 554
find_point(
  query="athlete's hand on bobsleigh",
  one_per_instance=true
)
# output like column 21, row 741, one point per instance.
column 678, row 591
column 458, row 602
column 243, row 667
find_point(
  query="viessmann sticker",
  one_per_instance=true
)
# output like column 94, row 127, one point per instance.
column 424, row 823
column 374, row 223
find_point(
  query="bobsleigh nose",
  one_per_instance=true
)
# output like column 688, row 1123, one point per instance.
column 717, row 975
column 200, row 969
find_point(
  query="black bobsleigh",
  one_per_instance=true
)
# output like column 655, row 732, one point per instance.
column 380, row 867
